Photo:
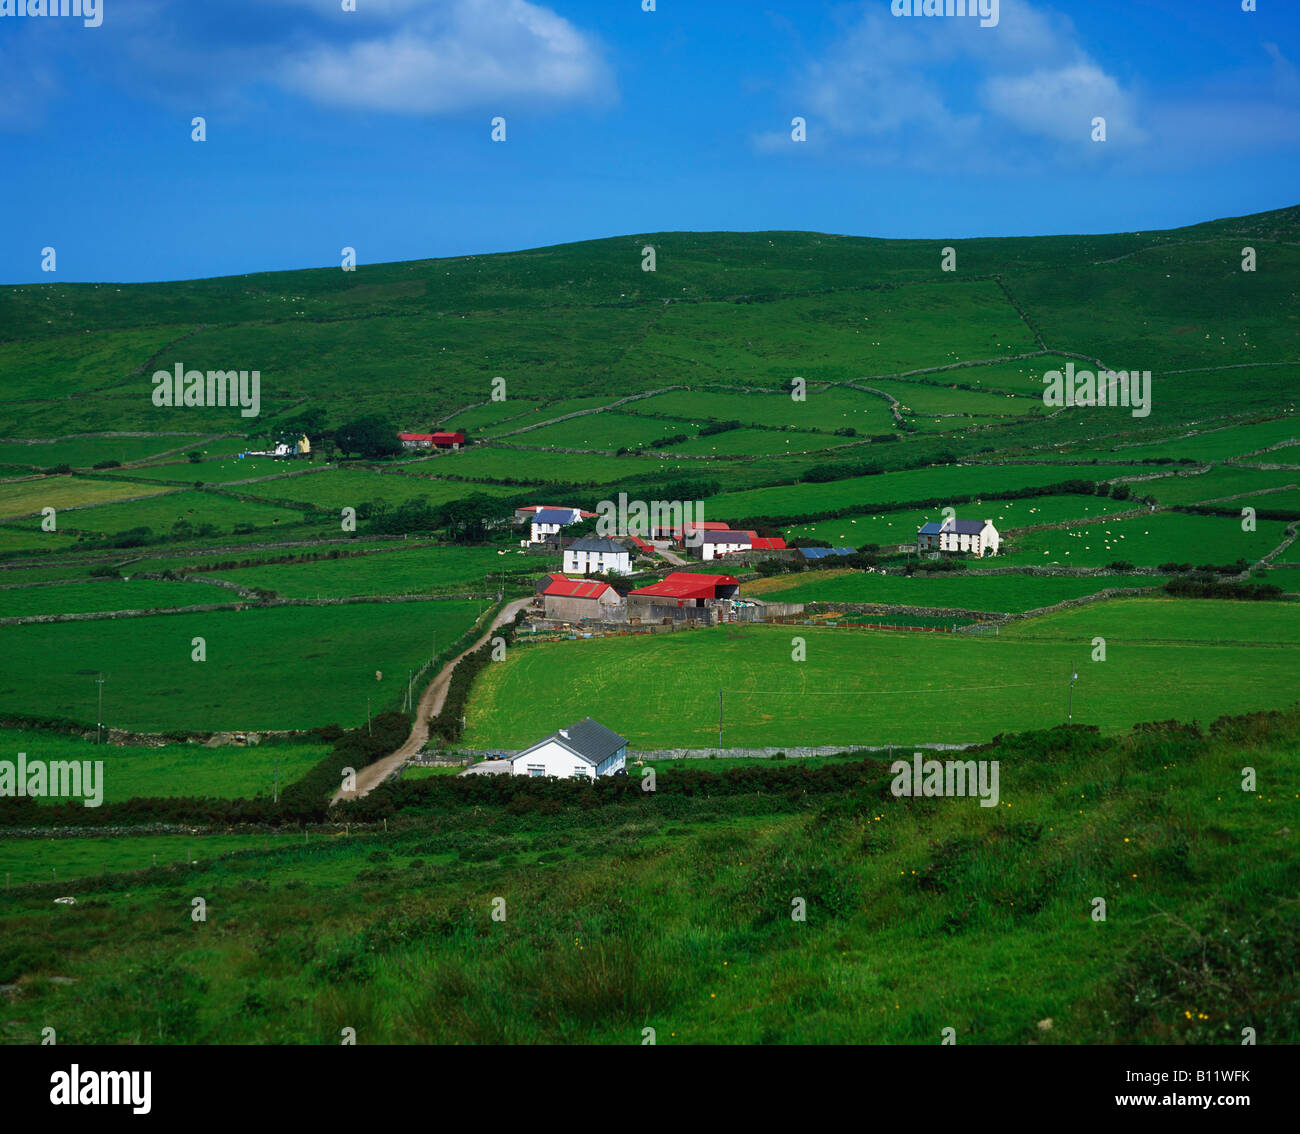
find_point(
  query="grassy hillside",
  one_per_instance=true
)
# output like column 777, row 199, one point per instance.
column 394, row 935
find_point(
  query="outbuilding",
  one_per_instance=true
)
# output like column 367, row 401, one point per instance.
column 573, row 600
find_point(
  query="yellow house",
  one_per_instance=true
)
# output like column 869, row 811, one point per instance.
column 303, row 446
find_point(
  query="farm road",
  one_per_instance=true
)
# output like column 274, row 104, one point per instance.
column 372, row 775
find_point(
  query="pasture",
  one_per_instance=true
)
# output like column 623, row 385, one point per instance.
column 875, row 687
column 1011, row 594
column 427, row 570
column 275, row 668
column 174, row 769
column 1148, row 541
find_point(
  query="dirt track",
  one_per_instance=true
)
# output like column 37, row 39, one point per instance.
column 372, row 775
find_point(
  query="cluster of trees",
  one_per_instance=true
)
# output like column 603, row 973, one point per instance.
column 447, row 725
column 1206, row 586
column 372, row 438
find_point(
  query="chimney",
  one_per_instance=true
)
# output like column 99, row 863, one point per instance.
column 988, row 523
column 564, row 732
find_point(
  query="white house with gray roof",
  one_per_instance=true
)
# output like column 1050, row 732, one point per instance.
column 592, row 555
column 952, row 534
column 587, row 749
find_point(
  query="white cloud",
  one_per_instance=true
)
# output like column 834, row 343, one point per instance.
column 466, row 53
column 1061, row 103
column 945, row 89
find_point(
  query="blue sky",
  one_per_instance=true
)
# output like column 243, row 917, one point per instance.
column 372, row 128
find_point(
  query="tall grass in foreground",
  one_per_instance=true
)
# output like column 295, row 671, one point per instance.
column 673, row 911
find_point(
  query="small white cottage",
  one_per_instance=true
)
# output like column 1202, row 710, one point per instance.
column 586, row 749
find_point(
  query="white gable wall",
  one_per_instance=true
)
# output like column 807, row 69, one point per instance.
column 597, row 562
column 553, row 760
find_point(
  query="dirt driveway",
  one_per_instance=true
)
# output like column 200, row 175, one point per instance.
column 372, row 775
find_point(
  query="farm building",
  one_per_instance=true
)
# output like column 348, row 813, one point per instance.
column 688, row 528
column 959, row 535
column 592, row 555
column 573, row 600
column 718, row 541
column 683, row 596
column 587, row 749
column 711, row 545
column 431, row 440
column 823, row 552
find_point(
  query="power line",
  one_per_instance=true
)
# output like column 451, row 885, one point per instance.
column 889, row 692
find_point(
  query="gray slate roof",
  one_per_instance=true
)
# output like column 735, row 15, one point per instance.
column 595, row 543
column 553, row 516
column 960, row 527
column 723, row 537
column 589, row 739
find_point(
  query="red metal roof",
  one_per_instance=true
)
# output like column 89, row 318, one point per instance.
column 575, row 588
column 642, row 544
column 444, row 438
column 686, row 584
column 765, row 543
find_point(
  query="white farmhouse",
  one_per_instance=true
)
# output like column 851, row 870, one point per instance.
column 592, row 555
column 587, row 749
column 952, row 534
column 545, row 521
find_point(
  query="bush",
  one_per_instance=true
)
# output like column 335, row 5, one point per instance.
column 108, row 464
column 1193, row 587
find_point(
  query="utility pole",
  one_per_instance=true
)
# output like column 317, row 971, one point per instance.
column 275, row 790
column 719, row 721
column 1069, row 710
column 369, row 729
column 99, row 721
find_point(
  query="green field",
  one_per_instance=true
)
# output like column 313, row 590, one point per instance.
column 1012, row 594
column 884, row 687
column 162, row 513
column 108, row 594
column 279, row 668
column 759, row 442
column 334, row 489
column 607, row 431
column 896, row 487
column 393, row 935
column 431, row 570
column 27, row 498
column 1148, row 541
column 66, row 863
column 83, row 452
column 1220, row 481
column 929, row 398
column 1215, row 444
column 889, row 528
column 826, row 408
column 222, row 472
column 227, row 772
